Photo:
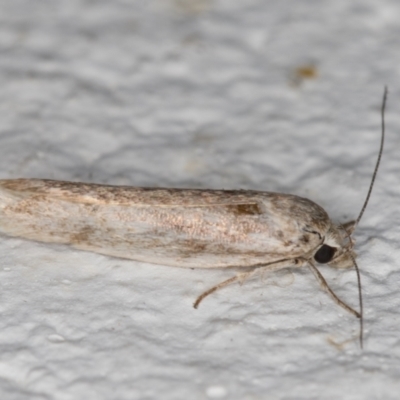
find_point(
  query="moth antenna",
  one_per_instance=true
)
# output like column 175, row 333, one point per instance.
column 385, row 92
column 360, row 299
column 360, row 302
column 378, row 161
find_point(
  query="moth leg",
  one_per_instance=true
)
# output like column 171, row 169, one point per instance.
column 239, row 277
column 244, row 275
column 326, row 287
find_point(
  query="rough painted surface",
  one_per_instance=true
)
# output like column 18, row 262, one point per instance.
column 277, row 96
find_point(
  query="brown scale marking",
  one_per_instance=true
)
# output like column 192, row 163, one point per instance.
column 191, row 247
column 305, row 239
column 83, row 236
column 244, row 209
column 22, row 207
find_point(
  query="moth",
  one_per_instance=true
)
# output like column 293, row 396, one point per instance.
column 252, row 230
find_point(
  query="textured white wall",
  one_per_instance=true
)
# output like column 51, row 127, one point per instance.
column 200, row 93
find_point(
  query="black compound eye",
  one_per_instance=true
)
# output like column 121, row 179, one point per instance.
column 324, row 254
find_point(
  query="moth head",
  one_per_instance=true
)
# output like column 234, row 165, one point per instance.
column 336, row 248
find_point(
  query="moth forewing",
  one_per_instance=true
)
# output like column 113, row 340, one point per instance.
column 178, row 227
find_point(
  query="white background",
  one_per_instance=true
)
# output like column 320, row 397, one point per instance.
column 205, row 94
